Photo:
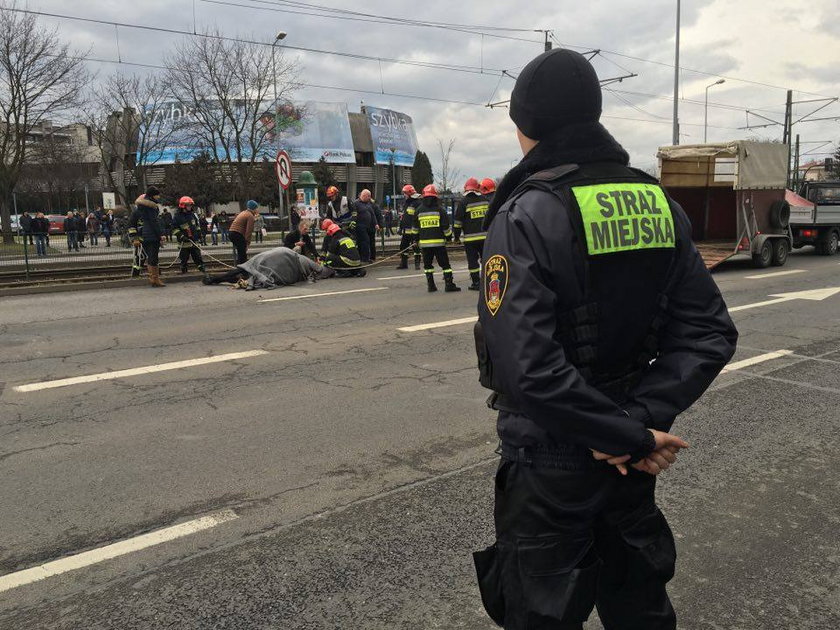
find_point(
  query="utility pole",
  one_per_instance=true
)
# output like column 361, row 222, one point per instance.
column 676, row 133
column 796, row 165
column 547, row 41
column 281, row 35
column 788, row 128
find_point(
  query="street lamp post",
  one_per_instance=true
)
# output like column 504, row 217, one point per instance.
column 394, row 177
column 281, row 35
column 676, row 130
column 706, row 111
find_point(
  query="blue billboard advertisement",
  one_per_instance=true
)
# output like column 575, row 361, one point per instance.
column 313, row 130
column 308, row 131
column 391, row 130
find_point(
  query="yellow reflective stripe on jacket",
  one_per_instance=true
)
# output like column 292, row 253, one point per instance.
column 347, row 242
column 350, row 262
column 474, row 237
column 622, row 217
column 432, row 242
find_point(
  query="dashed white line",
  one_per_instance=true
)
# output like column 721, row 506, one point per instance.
column 418, row 275
column 450, row 322
column 149, row 369
column 314, row 295
column 774, row 274
column 94, row 556
column 761, row 358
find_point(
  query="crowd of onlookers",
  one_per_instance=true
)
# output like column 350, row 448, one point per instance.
column 80, row 229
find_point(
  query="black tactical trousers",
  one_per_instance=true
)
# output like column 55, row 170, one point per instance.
column 575, row 537
column 184, row 256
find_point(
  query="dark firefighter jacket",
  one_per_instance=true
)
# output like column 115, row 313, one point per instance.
column 469, row 217
column 144, row 223
column 407, row 218
column 186, row 229
column 432, row 223
column 341, row 245
column 548, row 294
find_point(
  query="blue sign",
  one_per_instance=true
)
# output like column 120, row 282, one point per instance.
column 393, row 136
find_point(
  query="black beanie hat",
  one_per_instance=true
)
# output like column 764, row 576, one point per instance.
column 152, row 191
column 558, row 88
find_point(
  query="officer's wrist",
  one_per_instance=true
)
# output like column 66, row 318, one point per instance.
column 637, row 411
column 646, row 448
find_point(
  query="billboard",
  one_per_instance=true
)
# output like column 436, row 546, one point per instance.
column 314, row 130
column 309, row 131
column 391, row 130
column 172, row 133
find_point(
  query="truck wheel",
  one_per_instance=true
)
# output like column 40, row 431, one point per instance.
column 764, row 256
column 828, row 243
column 781, row 249
column 780, row 214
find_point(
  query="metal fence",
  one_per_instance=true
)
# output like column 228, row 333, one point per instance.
column 37, row 254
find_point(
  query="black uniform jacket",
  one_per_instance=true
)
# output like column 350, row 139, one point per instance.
column 540, row 278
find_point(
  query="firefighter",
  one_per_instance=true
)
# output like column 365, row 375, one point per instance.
column 409, row 233
column 340, row 251
column 598, row 325
column 186, row 230
column 342, row 210
column 433, row 232
column 488, row 189
column 469, row 218
column 147, row 233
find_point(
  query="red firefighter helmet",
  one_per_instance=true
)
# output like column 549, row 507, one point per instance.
column 332, row 229
column 430, row 191
column 471, row 185
column 408, row 190
column 326, row 223
column 185, row 201
column 487, row 186
column 332, row 191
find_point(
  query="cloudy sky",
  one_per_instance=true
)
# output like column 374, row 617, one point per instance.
column 760, row 47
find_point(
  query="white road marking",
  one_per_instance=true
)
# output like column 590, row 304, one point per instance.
column 94, row 556
column 419, row 275
column 451, row 322
column 149, row 369
column 314, row 295
column 815, row 295
column 774, row 274
column 761, row 358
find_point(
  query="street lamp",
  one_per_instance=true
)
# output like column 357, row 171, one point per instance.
column 706, row 115
column 394, row 178
column 281, row 35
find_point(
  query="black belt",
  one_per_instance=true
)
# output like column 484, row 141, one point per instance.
column 564, row 456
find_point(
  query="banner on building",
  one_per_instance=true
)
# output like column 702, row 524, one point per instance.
column 171, row 132
column 391, row 130
column 313, row 130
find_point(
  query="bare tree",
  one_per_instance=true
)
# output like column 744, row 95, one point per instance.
column 447, row 174
column 228, row 88
column 40, row 78
column 134, row 119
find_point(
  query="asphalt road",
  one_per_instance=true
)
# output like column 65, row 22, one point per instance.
column 343, row 474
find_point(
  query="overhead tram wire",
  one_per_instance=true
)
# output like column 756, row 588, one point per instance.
column 682, row 68
column 172, row 31
column 478, row 30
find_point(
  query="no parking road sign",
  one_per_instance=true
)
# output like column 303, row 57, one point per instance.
column 283, row 166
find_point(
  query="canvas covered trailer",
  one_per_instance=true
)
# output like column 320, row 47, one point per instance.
column 734, row 195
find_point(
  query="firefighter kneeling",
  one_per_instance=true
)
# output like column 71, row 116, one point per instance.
column 186, row 229
column 340, row 251
column 432, row 225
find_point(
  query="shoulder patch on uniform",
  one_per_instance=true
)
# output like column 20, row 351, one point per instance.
column 496, row 277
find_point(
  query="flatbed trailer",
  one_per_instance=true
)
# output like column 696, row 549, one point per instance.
column 734, row 194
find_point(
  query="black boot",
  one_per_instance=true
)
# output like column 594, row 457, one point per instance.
column 450, row 283
column 403, row 262
column 417, row 262
column 135, row 272
column 474, row 276
column 183, row 269
column 430, row 281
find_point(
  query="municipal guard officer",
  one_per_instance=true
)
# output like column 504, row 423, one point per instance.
column 433, row 232
column 598, row 325
column 409, row 234
column 469, row 218
column 186, row 229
